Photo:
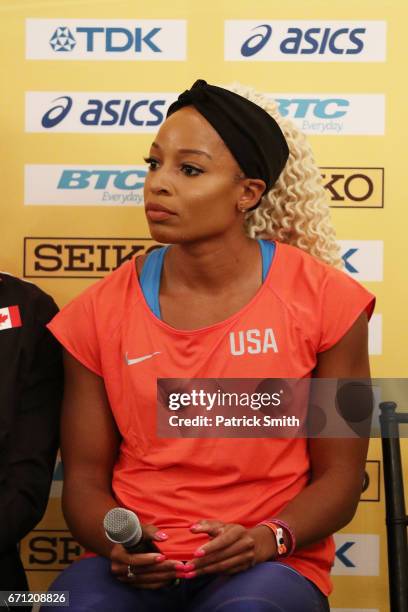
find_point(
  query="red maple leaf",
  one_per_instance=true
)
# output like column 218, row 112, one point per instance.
column 3, row 318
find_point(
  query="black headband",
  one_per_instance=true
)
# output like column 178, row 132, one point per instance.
column 250, row 133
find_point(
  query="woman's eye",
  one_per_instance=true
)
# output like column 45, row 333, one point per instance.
column 191, row 170
column 152, row 163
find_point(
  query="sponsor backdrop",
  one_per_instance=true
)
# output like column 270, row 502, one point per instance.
column 87, row 84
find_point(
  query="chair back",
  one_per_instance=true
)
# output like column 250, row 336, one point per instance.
column 396, row 517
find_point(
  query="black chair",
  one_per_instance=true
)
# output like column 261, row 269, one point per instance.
column 396, row 517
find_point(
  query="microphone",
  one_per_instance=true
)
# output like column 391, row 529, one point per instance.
column 122, row 526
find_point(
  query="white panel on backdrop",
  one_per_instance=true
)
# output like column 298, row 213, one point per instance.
column 334, row 114
column 106, row 39
column 363, row 259
column 305, row 41
column 375, row 334
column 78, row 184
column 96, row 112
column 357, row 554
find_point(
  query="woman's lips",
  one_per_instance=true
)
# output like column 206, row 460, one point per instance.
column 155, row 212
column 158, row 215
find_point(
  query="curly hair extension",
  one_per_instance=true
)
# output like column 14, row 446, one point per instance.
column 295, row 210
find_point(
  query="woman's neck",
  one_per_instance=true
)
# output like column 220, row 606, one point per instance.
column 211, row 265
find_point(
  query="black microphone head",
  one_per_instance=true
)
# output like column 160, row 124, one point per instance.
column 122, row 526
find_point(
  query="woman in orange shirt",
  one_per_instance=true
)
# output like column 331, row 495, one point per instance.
column 219, row 302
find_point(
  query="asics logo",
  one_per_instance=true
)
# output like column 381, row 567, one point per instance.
column 130, row 362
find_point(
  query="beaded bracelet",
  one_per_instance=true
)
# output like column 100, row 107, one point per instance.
column 276, row 526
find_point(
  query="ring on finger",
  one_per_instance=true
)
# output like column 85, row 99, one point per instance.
column 130, row 573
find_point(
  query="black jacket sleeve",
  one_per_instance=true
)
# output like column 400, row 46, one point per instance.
column 30, row 437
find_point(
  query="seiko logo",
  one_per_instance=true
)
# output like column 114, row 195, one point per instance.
column 80, row 257
column 253, row 342
column 354, row 187
column 49, row 550
column 371, row 487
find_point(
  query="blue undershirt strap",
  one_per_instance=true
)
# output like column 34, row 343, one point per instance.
column 150, row 278
column 267, row 252
column 153, row 265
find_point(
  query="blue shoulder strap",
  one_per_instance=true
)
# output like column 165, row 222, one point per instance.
column 267, row 251
column 150, row 278
column 152, row 268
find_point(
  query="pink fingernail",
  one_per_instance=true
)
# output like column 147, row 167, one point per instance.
column 195, row 526
column 199, row 552
column 179, row 566
column 161, row 535
column 160, row 558
column 190, row 575
column 189, row 567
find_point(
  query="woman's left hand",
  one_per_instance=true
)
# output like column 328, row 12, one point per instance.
column 232, row 549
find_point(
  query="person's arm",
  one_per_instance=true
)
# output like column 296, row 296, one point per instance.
column 89, row 447
column 33, row 438
column 333, row 460
column 320, row 509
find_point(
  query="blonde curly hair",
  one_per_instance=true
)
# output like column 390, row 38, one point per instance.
column 295, row 210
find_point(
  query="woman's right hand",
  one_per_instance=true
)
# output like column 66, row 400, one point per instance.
column 150, row 570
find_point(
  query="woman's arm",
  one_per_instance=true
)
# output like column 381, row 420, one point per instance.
column 89, row 447
column 337, row 464
column 329, row 501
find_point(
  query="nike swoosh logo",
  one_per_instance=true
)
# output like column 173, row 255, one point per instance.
column 139, row 359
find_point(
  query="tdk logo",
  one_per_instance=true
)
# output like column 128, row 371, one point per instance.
column 88, row 39
column 334, row 114
column 62, row 40
column 96, row 112
column 78, row 185
column 318, row 41
column 115, row 40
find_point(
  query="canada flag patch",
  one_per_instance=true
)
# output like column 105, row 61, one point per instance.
column 10, row 317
